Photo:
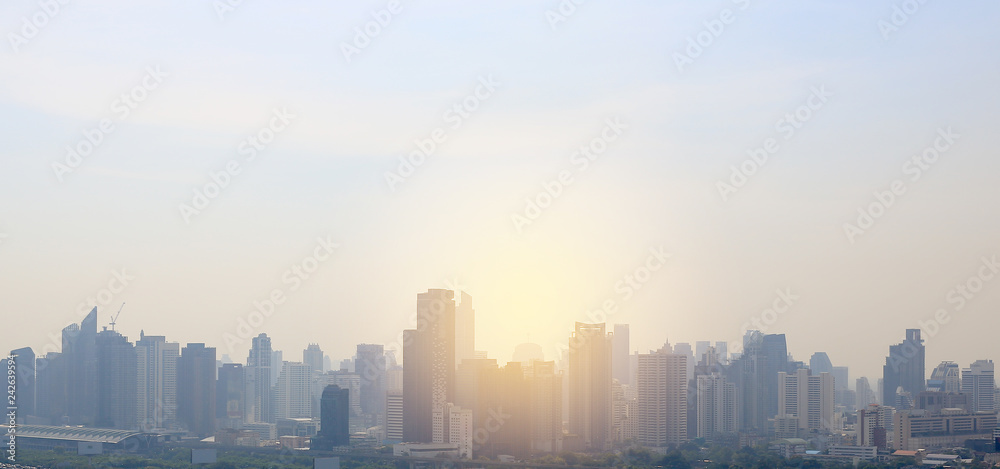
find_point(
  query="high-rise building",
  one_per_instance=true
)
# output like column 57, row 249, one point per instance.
column 526, row 353
column 808, row 398
column 196, row 394
column 258, row 377
column 371, row 368
column 865, row 395
column 79, row 352
column 620, row 355
column 946, row 377
column 700, row 347
column 291, row 395
column 717, row 409
column 230, row 391
column 312, row 356
column 24, row 361
column 590, row 386
column 875, row 426
column 460, row 430
column 156, row 388
column 775, row 352
column 334, row 420
column 50, row 376
column 116, row 383
column 978, row 383
column 904, row 369
column 465, row 329
column 662, row 398
column 429, row 367
column 751, row 375
column 820, row 363
column 394, row 416
column 545, row 396
column 685, row 349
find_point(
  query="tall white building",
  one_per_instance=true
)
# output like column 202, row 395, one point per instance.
column 460, row 430
column 291, row 395
column 394, row 416
column 979, row 384
column 808, row 398
column 662, row 398
column 865, row 394
column 259, row 372
column 717, row 406
column 874, row 426
column 156, row 388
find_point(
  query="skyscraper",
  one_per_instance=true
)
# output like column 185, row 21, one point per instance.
column 590, row 386
column 50, row 376
column 775, row 353
column 620, row 354
column 717, row 406
column 259, row 370
column 429, row 367
column 230, row 391
column 465, row 329
column 904, row 368
column 196, row 392
column 820, row 363
column 291, row 395
column 156, row 388
column 312, row 356
column 371, row 368
column 116, row 383
column 24, row 359
column 334, row 425
column 866, row 396
column 978, row 383
column 545, row 391
column 808, row 398
column 78, row 351
column 662, row 398
column 946, row 377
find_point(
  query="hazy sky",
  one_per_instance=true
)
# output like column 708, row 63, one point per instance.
column 880, row 94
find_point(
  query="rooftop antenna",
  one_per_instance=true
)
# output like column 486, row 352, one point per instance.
column 115, row 318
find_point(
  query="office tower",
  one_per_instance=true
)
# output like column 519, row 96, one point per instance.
column 429, row 366
column 775, row 353
column 291, row 395
column 24, row 361
column 156, row 391
column 978, row 383
column 258, row 375
column 370, row 367
column 196, row 392
column 394, row 416
column 685, row 349
column 78, row 350
column 808, row 398
column 662, row 398
column 527, row 352
column 116, row 383
column 500, row 400
column 230, row 401
column 620, row 354
column 946, row 377
column 904, row 368
column 937, row 401
column 394, row 379
column 545, row 397
column 717, row 409
column 820, row 363
column 620, row 423
column 312, row 356
column 875, row 426
column 465, row 329
column 277, row 359
column 334, row 419
column 722, row 348
column 866, row 396
column 50, row 376
column 750, row 374
column 590, row 386
column 700, row 347
column 460, row 430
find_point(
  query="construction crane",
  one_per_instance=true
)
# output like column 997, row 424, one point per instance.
column 115, row 318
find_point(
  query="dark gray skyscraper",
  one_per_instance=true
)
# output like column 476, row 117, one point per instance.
column 78, row 349
column 50, row 381
column 429, row 366
column 620, row 369
column 230, row 403
column 116, row 381
column 904, row 368
column 196, row 389
column 776, row 360
column 334, row 416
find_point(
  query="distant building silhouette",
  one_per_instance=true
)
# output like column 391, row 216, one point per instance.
column 465, row 329
column 78, row 350
column 156, row 396
column 978, row 383
column 196, row 393
column 312, row 356
column 904, row 369
column 24, row 360
column 116, row 381
column 590, row 386
column 259, row 381
column 371, row 369
column 429, row 367
column 230, row 403
column 620, row 351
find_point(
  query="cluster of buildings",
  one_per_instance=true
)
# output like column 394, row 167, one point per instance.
column 447, row 398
